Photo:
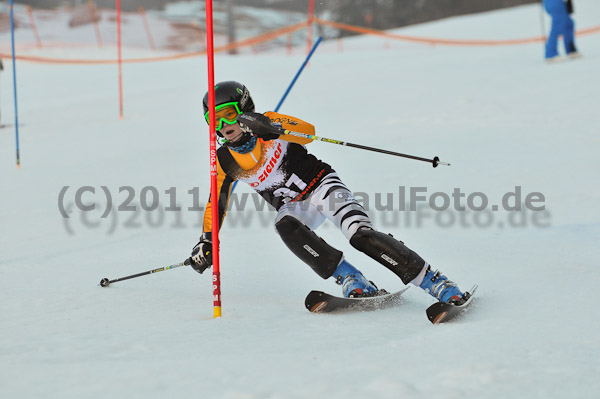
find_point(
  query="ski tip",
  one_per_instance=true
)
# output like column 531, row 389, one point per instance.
column 472, row 290
column 318, row 307
column 441, row 312
column 439, row 318
column 314, row 303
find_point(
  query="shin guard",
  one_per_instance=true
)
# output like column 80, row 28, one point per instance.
column 390, row 252
column 308, row 246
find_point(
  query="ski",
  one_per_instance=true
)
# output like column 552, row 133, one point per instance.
column 442, row 312
column 321, row 302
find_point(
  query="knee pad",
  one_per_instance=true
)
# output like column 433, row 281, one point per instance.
column 309, row 247
column 390, row 252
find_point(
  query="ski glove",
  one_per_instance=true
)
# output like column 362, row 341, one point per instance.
column 202, row 254
column 259, row 125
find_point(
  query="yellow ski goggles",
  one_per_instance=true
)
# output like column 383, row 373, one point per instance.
column 224, row 113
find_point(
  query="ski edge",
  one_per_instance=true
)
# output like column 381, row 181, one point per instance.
column 361, row 304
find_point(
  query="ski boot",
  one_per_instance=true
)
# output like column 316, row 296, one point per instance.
column 444, row 290
column 354, row 284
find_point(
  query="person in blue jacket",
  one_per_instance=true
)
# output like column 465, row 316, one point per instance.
column 562, row 24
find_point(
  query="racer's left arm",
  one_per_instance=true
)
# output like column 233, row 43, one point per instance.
column 268, row 126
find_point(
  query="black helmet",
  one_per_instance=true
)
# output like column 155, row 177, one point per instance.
column 230, row 91
column 233, row 92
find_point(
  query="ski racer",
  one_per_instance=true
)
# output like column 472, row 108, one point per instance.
column 305, row 191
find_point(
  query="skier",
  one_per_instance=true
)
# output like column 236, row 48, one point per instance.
column 305, row 191
column 562, row 24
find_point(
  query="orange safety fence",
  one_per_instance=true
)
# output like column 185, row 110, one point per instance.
column 446, row 42
column 263, row 37
column 273, row 34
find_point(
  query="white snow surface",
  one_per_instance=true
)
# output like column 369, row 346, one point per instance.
column 499, row 115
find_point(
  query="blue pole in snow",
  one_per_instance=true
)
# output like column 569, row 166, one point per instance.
column 14, row 64
column 314, row 47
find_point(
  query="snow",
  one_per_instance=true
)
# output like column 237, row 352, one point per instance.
column 499, row 115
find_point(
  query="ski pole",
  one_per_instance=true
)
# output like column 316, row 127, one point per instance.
column 435, row 161
column 106, row 282
column 14, row 68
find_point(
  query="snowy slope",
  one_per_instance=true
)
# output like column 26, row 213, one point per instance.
column 500, row 115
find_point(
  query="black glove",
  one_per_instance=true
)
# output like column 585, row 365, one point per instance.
column 202, row 254
column 259, row 125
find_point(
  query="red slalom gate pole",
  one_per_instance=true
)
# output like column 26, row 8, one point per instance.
column 92, row 9
column 214, row 195
column 309, row 27
column 33, row 26
column 147, row 27
column 120, row 59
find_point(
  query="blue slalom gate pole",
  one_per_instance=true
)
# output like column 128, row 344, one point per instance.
column 312, row 50
column 14, row 64
column 314, row 47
